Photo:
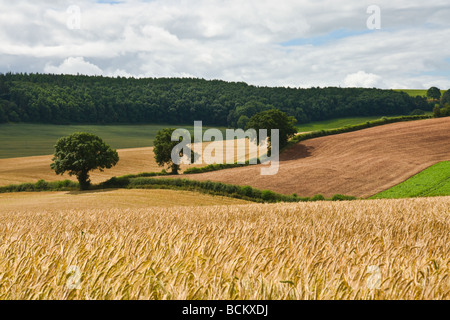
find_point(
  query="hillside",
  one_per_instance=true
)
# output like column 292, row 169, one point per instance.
column 360, row 163
column 65, row 99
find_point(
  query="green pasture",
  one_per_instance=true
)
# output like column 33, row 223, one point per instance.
column 434, row 181
column 23, row 140
column 334, row 123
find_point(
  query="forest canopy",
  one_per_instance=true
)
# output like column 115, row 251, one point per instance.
column 69, row 99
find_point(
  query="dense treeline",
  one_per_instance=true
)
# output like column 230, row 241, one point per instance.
column 64, row 99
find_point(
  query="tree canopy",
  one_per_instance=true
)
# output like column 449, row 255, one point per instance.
column 80, row 153
column 68, row 99
column 163, row 147
column 434, row 93
column 274, row 119
column 445, row 100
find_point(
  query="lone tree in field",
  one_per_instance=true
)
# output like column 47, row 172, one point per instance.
column 80, row 153
column 163, row 149
column 274, row 119
column 434, row 93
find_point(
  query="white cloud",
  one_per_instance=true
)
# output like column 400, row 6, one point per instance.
column 232, row 40
column 362, row 79
column 74, row 66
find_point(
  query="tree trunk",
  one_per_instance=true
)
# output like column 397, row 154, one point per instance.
column 175, row 168
column 83, row 179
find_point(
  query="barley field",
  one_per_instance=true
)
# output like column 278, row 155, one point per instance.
column 373, row 249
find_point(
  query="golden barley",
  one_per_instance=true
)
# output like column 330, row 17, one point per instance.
column 382, row 249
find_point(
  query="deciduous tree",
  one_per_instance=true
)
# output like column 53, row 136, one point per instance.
column 80, row 153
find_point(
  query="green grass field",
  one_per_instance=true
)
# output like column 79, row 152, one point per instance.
column 23, row 140
column 334, row 123
column 416, row 92
column 434, row 181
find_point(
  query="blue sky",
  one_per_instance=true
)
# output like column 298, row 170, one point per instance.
column 294, row 43
column 326, row 38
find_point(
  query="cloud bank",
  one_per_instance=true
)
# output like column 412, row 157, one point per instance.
column 293, row 43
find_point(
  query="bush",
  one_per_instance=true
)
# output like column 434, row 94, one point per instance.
column 115, row 182
column 437, row 111
column 340, row 197
column 268, row 195
column 318, row 197
column 214, row 167
column 417, row 112
column 42, row 185
column 247, row 191
column 445, row 112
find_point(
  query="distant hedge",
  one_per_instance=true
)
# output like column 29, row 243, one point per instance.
column 356, row 127
column 215, row 167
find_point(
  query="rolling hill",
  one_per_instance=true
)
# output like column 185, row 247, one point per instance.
column 360, row 163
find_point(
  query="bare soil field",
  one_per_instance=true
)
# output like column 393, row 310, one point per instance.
column 360, row 163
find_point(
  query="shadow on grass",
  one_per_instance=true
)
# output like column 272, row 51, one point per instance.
column 92, row 191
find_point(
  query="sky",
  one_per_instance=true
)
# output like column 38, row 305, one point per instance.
column 297, row 43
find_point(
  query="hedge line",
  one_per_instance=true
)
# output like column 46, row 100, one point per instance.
column 41, row 185
column 214, row 188
column 217, row 167
column 356, row 127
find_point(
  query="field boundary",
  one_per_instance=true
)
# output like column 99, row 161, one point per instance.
column 207, row 187
column 356, row 127
column 312, row 135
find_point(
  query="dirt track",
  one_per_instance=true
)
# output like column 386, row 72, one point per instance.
column 360, row 163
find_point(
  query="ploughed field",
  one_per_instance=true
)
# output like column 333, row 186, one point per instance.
column 360, row 163
column 372, row 249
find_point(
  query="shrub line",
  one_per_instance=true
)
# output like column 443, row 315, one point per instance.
column 207, row 187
